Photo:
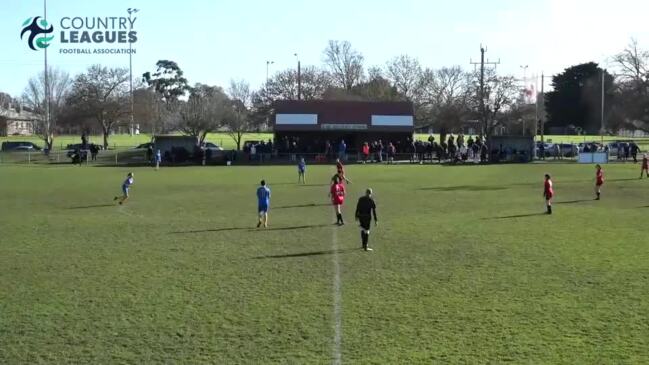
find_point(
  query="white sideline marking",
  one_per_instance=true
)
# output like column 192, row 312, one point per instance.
column 337, row 356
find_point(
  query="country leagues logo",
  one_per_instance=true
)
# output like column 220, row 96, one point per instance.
column 38, row 30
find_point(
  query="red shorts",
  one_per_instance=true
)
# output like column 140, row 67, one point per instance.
column 337, row 200
column 599, row 182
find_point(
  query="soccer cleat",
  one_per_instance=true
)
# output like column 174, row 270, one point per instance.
column 118, row 197
column 258, row 224
column 120, row 203
column 368, row 249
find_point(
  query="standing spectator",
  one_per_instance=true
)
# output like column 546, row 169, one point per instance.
column 149, row 153
column 627, row 152
column 269, row 148
column 379, row 151
column 253, row 152
column 391, row 153
column 94, row 150
column 342, row 150
column 634, row 152
column 365, row 150
column 557, row 151
column 328, row 150
column 158, row 159
column 645, row 166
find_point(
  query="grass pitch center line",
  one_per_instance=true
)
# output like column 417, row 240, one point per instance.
column 337, row 298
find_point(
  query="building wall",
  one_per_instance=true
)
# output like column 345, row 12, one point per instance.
column 19, row 127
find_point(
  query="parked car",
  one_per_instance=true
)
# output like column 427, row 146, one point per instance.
column 19, row 146
column 247, row 144
column 212, row 146
column 590, row 147
column 568, row 149
column 547, row 149
column 75, row 146
column 144, row 146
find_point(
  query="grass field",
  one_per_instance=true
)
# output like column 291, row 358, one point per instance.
column 128, row 141
column 465, row 268
column 224, row 140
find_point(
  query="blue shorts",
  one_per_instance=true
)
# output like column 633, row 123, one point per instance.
column 301, row 171
column 262, row 208
column 125, row 190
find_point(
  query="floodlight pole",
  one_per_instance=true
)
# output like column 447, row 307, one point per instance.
column 601, row 130
column 47, row 85
column 130, row 66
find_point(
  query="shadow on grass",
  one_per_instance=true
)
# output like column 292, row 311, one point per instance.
column 214, row 230
column 293, row 228
column 305, row 254
column 513, row 216
column 575, row 201
column 251, row 229
column 465, row 188
column 93, row 206
column 307, row 185
column 302, row 206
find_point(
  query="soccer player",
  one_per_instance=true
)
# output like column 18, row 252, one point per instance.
column 301, row 171
column 599, row 180
column 365, row 208
column 263, row 203
column 548, row 193
column 126, row 185
column 337, row 194
column 158, row 159
column 645, row 166
column 340, row 173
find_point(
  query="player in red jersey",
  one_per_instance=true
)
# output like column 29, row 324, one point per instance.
column 337, row 194
column 548, row 192
column 340, row 172
column 599, row 180
column 645, row 166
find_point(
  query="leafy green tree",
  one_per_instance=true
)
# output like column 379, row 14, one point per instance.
column 576, row 99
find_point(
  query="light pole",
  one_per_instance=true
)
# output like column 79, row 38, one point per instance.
column 299, row 78
column 525, row 98
column 601, row 129
column 268, row 63
column 130, row 65
column 47, row 84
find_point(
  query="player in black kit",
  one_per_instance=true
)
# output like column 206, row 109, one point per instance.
column 364, row 211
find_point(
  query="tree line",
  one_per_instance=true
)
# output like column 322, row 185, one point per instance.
column 164, row 101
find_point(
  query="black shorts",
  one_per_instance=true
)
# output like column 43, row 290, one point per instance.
column 365, row 222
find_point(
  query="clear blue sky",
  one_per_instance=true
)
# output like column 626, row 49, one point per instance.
column 215, row 41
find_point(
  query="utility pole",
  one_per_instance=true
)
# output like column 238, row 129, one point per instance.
column 299, row 78
column 482, row 64
column 601, row 129
column 47, row 86
column 130, row 68
column 542, row 100
column 268, row 63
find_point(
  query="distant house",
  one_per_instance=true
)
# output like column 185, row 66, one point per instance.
column 17, row 123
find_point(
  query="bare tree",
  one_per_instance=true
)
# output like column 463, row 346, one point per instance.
column 445, row 97
column 103, row 94
column 203, row 112
column 239, row 120
column 499, row 96
column 406, row 75
column 34, row 97
column 632, row 109
column 345, row 64
column 633, row 64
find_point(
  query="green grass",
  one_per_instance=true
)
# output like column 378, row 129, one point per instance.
column 127, row 141
column 465, row 269
column 224, row 140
